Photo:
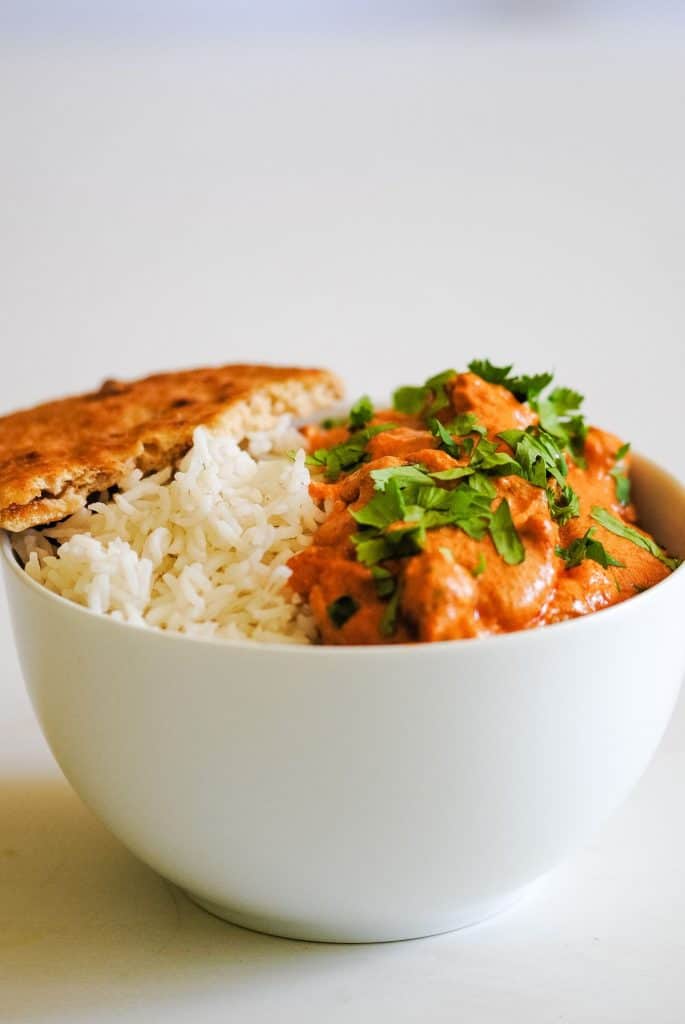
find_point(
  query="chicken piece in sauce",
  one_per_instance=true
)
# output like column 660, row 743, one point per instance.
column 436, row 579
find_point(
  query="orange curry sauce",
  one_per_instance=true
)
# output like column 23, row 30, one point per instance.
column 455, row 585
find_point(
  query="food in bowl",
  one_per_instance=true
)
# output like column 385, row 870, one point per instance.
column 349, row 792
column 479, row 503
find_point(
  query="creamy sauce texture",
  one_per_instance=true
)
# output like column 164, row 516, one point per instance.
column 456, row 585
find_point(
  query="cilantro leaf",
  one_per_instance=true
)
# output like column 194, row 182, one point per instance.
column 563, row 503
column 456, row 473
column 620, row 477
column 480, row 566
column 537, row 454
column 403, row 474
column 487, row 458
column 558, row 412
column 347, row 455
column 622, row 485
column 621, row 529
column 436, row 387
column 427, row 398
column 447, row 442
column 466, row 423
column 385, row 508
column 371, row 547
column 480, row 484
column 342, row 610
column 570, row 430
column 389, row 619
column 504, row 535
column 524, row 387
column 361, row 412
column 587, row 547
column 384, row 580
column 410, row 400
column 489, row 372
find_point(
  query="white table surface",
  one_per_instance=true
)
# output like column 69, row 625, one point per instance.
column 389, row 205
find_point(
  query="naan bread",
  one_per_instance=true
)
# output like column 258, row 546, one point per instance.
column 52, row 457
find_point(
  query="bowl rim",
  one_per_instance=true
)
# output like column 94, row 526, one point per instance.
column 532, row 635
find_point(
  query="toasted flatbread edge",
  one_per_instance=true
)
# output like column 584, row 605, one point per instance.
column 259, row 410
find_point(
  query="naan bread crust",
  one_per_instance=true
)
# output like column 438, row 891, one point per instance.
column 52, row 457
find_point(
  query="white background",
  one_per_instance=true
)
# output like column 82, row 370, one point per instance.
column 387, row 197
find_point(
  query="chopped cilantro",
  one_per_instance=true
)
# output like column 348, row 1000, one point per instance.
column 389, row 619
column 621, row 529
column 489, row 372
column 587, row 547
column 620, row 478
column 622, row 485
column 394, row 522
column 563, row 503
column 537, row 454
column 524, row 387
column 341, row 610
column 447, row 442
column 487, row 458
column 384, row 580
column 409, row 399
column 385, row 508
column 427, row 399
column 466, row 423
column 481, row 485
column 347, row 455
column 480, row 566
column 504, row 535
column 558, row 411
column 455, row 473
column 361, row 412
column 559, row 416
column 404, row 474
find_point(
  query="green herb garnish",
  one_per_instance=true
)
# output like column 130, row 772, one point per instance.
column 558, row 411
column 621, row 529
column 384, row 580
column 537, row 454
column 389, row 618
column 480, row 566
column 620, row 478
column 524, row 387
column 347, row 455
column 361, row 412
column 394, row 522
column 587, row 547
column 486, row 458
column 427, row 399
column 447, row 442
column 466, row 423
column 341, row 610
column 504, row 535
column 563, row 503
column 412, row 473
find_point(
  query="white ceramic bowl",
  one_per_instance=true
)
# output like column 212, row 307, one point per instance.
column 363, row 793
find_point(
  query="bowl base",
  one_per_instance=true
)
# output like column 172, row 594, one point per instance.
column 311, row 931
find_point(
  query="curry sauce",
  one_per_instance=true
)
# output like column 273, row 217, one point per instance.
column 481, row 503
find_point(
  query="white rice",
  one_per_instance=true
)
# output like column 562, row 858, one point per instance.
column 203, row 552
